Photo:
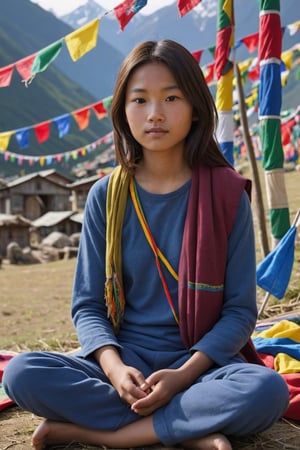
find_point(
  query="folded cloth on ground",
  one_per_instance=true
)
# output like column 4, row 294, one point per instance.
column 5, row 401
column 278, row 345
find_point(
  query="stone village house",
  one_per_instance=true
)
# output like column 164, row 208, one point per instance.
column 40, row 203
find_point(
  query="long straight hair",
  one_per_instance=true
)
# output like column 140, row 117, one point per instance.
column 200, row 144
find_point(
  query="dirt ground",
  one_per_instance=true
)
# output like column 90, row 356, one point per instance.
column 35, row 315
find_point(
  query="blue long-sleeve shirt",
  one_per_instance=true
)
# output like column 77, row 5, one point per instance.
column 148, row 320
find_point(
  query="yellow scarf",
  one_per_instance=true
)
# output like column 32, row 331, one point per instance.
column 117, row 193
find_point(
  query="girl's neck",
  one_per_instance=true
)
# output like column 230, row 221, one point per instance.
column 160, row 176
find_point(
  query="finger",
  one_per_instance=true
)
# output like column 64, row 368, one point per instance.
column 146, row 387
column 136, row 392
column 138, row 378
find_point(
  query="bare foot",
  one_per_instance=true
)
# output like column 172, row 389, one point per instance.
column 50, row 432
column 39, row 437
column 211, row 442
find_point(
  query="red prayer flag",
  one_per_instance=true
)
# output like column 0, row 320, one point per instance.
column 24, row 67
column 126, row 10
column 99, row 110
column 82, row 117
column 5, row 75
column 42, row 131
column 253, row 74
column 251, row 42
column 209, row 76
column 184, row 6
column 197, row 55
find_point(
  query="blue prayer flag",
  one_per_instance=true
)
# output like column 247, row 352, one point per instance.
column 22, row 137
column 273, row 273
column 63, row 125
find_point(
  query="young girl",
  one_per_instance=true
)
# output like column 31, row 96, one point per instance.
column 164, row 298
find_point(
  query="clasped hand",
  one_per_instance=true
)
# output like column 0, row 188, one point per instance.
column 147, row 395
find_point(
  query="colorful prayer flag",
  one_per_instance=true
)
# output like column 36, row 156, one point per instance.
column 82, row 40
column 42, row 131
column 6, row 75
column 4, row 140
column 274, row 272
column 82, row 117
column 197, row 55
column 45, row 57
column 251, row 42
column 24, row 67
column 22, row 137
column 127, row 9
column 184, row 6
column 99, row 110
column 62, row 124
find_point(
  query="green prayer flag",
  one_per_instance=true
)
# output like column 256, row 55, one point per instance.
column 45, row 57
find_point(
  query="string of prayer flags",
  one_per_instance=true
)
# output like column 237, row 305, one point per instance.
column 127, row 9
column 184, row 6
column 62, row 123
column 82, row 40
column 78, row 43
column 57, row 157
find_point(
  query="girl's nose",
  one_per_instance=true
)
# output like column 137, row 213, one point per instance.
column 155, row 113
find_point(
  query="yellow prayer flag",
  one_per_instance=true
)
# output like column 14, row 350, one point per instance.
column 244, row 65
column 287, row 58
column 4, row 139
column 82, row 40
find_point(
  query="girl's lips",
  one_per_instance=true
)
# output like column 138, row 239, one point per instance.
column 156, row 131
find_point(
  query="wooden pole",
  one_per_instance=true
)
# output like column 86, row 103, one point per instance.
column 257, row 193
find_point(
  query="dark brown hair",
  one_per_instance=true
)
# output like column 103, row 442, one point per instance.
column 200, row 145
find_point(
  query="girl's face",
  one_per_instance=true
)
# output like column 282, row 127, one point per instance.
column 158, row 114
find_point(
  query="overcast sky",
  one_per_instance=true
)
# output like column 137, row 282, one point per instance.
column 61, row 7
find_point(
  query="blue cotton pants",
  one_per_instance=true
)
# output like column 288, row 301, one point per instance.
column 237, row 399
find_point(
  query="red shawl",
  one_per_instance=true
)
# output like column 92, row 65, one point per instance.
column 212, row 207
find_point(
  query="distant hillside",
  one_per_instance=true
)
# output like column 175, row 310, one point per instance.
column 49, row 95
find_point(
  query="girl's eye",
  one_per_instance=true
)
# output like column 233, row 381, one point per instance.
column 138, row 100
column 172, row 98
